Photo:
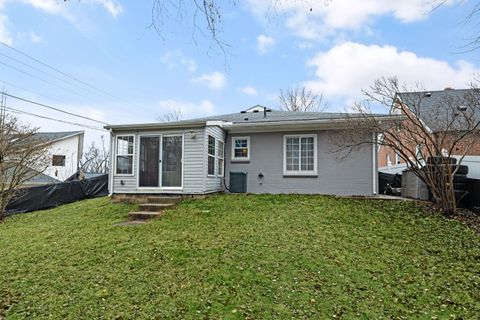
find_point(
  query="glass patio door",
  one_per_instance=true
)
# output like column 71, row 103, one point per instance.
column 149, row 162
column 172, row 162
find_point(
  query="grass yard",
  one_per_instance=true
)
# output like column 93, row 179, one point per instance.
column 238, row 256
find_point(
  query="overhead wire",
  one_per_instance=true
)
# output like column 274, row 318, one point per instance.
column 53, row 108
column 17, row 111
column 56, row 69
column 105, row 93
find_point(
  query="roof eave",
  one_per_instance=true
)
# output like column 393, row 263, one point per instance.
column 152, row 126
column 296, row 125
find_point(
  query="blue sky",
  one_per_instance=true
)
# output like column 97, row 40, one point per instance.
column 338, row 48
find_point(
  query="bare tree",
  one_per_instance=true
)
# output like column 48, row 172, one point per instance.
column 22, row 157
column 95, row 160
column 426, row 146
column 301, row 99
column 171, row 115
column 206, row 17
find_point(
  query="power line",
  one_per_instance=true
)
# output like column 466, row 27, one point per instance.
column 123, row 102
column 38, row 78
column 53, row 119
column 43, row 72
column 53, row 108
column 57, row 70
column 29, row 91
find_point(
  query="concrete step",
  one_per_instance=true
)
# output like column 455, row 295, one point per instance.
column 164, row 199
column 155, row 207
column 144, row 215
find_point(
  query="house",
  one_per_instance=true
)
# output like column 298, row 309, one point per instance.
column 433, row 109
column 65, row 151
column 262, row 150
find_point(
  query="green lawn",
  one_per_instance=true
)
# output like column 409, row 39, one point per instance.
column 238, row 256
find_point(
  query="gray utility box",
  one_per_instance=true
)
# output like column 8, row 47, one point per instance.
column 413, row 186
column 238, row 182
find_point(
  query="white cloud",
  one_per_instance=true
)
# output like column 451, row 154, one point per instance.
column 35, row 38
column 173, row 58
column 346, row 69
column 248, row 90
column 314, row 20
column 113, row 7
column 215, row 80
column 53, row 7
column 190, row 64
column 264, row 43
column 4, row 34
column 189, row 109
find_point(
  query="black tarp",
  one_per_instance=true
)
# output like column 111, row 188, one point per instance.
column 53, row 195
column 474, row 194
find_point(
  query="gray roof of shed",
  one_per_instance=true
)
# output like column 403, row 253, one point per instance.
column 434, row 108
column 53, row 136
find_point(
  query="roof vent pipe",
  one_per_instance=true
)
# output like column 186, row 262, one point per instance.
column 448, row 88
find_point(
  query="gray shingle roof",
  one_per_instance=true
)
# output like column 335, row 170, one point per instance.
column 274, row 116
column 436, row 108
column 244, row 117
column 53, row 136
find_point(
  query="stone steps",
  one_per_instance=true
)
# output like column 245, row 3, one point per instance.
column 164, row 199
column 153, row 207
column 143, row 215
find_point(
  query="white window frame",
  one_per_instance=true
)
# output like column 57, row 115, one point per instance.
column 315, row 156
column 214, row 155
column 220, row 157
column 398, row 159
column 239, row 159
column 133, row 156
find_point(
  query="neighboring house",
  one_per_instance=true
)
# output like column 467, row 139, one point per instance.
column 65, row 151
column 276, row 151
column 430, row 111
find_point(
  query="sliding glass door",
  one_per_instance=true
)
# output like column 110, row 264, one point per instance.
column 149, row 162
column 172, row 166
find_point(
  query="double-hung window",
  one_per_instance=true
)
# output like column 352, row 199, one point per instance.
column 300, row 154
column 211, row 155
column 124, row 155
column 240, row 148
column 220, row 157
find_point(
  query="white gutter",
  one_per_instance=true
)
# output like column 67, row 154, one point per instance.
column 304, row 122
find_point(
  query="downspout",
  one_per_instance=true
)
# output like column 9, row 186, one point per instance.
column 110, row 176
